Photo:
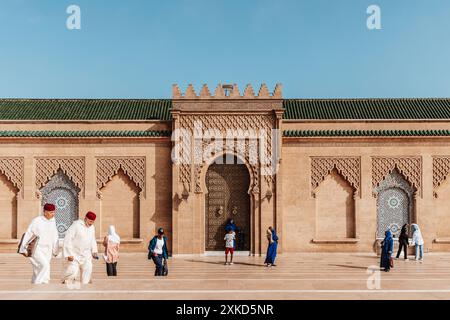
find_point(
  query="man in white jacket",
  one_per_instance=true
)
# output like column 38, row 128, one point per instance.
column 80, row 246
column 43, row 227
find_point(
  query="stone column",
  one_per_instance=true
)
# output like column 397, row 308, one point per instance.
column 29, row 207
column 90, row 198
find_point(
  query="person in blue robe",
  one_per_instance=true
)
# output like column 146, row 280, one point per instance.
column 387, row 247
column 230, row 226
column 272, row 247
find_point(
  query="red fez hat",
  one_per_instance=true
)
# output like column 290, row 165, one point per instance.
column 91, row 216
column 49, row 207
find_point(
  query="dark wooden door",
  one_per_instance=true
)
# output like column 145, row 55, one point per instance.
column 227, row 198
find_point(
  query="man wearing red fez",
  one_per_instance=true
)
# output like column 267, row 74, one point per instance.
column 80, row 246
column 44, row 229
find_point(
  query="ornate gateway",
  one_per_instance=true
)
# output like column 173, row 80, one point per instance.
column 227, row 198
column 206, row 126
column 62, row 192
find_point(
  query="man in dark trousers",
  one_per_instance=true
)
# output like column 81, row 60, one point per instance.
column 157, row 251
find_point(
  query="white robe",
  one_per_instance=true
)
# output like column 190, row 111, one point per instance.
column 47, row 245
column 79, row 243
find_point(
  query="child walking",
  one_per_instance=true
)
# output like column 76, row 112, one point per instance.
column 229, row 246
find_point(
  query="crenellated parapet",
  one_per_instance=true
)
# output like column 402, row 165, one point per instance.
column 227, row 92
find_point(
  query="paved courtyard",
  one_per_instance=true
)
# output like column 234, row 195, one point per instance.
column 297, row 276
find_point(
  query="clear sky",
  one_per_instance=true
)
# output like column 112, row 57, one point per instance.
column 139, row 48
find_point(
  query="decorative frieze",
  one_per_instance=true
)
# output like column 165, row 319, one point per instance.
column 348, row 167
column 13, row 169
column 250, row 137
column 108, row 167
column 441, row 170
column 409, row 167
column 72, row 167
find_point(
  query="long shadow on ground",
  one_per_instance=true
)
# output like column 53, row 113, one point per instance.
column 347, row 266
column 236, row 263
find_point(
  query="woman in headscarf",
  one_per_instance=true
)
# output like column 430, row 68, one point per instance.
column 111, row 243
column 417, row 240
column 403, row 242
column 387, row 247
column 272, row 248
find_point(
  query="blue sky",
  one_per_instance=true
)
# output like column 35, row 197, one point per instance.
column 139, row 48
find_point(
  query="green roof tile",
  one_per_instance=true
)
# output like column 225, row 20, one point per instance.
column 365, row 133
column 365, row 109
column 84, row 109
column 159, row 109
column 83, row 134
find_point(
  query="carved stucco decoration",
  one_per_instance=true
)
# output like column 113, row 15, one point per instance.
column 254, row 174
column 72, row 167
column 348, row 167
column 108, row 167
column 223, row 124
column 186, row 158
column 409, row 167
column 441, row 170
column 13, row 169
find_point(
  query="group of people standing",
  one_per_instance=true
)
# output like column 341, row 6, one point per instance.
column 230, row 244
column 387, row 246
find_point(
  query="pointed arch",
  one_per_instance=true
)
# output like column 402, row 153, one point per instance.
column 8, row 208
column 133, row 167
column 227, row 196
column 409, row 167
column 349, row 168
column 395, row 203
column 335, row 207
column 64, row 193
column 121, row 205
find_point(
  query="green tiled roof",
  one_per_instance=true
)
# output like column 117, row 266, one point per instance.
column 83, row 134
column 323, row 109
column 366, row 133
column 164, row 133
column 84, row 109
column 153, row 109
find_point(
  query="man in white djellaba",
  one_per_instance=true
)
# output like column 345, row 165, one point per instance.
column 80, row 246
column 43, row 227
